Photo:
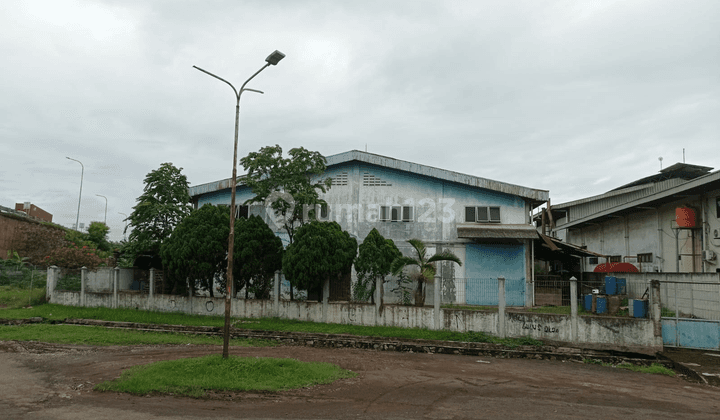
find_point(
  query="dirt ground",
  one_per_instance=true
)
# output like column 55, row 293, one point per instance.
column 48, row 381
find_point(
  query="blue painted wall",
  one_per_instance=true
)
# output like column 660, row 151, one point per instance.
column 691, row 334
column 484, row 263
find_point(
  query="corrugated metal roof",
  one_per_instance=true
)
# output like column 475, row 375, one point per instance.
column 498, row 231
column 698, row 184
column 401, row 165
column 601, row 196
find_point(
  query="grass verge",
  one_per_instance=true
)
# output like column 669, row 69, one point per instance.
column 193, row 376
column 100, row 336
column 14, row 297
column 60, row 313
column 470, row 307
column 54, row 312
column 654, row 368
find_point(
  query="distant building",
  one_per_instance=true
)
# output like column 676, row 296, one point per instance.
column 667, row 222
column 33, row 211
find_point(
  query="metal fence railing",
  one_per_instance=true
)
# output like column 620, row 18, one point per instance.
column 24, row 276
column 552, row 291
column 482, row 291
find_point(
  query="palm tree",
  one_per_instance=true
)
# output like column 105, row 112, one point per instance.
column 426, row 265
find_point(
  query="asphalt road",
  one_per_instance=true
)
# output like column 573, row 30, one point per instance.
column 48, row 381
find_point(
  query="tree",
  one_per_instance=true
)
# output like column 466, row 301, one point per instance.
column 321, row 251
column 97, row 234
column 373, row 262
column 258, row 254
column 197, row 249
column 165, row 201
column 268, row 172
column 426, row 266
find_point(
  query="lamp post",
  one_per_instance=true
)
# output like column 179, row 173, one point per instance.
column 105, row 207
column 82, row 173
column 272, row 59
column 124, row 234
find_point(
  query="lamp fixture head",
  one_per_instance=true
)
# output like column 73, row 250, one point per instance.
column 275, row 57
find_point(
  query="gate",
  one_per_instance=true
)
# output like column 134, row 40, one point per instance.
column 690, row 314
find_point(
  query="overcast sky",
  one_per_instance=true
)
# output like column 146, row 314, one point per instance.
column 574, row 97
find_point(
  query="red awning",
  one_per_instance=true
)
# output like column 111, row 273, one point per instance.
column 621, row 267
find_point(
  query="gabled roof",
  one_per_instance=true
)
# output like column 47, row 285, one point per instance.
column 679, row 170
column 696, row 186
column 530, row 194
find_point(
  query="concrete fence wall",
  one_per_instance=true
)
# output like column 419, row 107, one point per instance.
column 101, row 280
column 688, row 295
column 633, row 334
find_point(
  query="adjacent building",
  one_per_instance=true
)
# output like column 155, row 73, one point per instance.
column 34, row 211
column 667, row 222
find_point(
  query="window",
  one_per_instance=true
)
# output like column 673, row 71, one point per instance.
column 396, row 214
column 593, row 260
column 645, row 258
column 241, row 212
column 323, row 211
column 482, row 214
column 407, row 214
column 615, row 258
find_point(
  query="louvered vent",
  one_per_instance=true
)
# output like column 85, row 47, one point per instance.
column 340, row 179
column 370, row 180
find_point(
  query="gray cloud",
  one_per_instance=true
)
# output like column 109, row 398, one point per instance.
column 573, row 97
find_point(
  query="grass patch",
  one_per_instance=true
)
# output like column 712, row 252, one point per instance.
column 470, row 308
column 100, row 336
column 60, row 313
column 667, row 313
column 655, row 368
column 193, row 376
column 15, row 297
column 562, row 310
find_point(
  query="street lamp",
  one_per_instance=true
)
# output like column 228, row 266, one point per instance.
column 105, row 207
column 82, row 172
column 272, row 59
column 124, row 234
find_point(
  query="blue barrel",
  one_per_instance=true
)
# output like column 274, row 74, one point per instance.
column 639, row 308
column 610, row 285
column 588, row 302
column 621, row 286
column 601, row 305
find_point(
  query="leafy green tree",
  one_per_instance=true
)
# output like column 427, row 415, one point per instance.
column 97, row 234
column 268, row 172
column 197, row 250
column 425, row 264
column 165, row 201
column 321, row 250
column 373, row 262
column 257, row 255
